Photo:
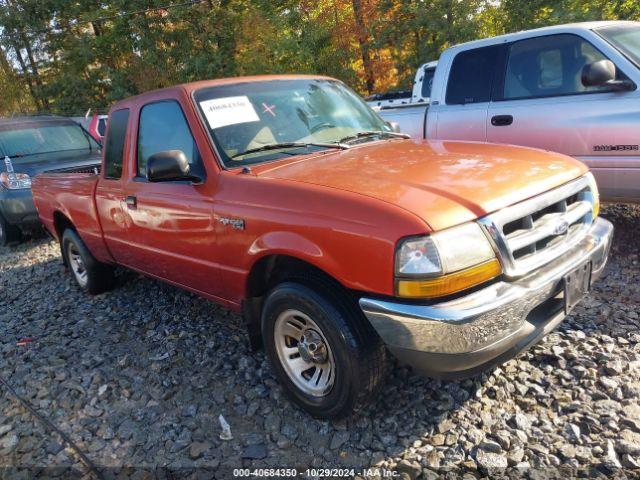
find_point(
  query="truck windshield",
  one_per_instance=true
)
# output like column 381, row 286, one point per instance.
column 22, row 141
column 625, row 38
column 244, row 117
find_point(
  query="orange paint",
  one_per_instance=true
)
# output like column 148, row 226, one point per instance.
column 342, row 211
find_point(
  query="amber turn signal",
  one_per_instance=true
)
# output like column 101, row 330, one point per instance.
column 451, row 283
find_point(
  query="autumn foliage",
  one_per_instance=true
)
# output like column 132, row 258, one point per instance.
column 66, row 57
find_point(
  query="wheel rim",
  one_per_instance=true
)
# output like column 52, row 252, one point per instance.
column 77, row 265
column 304, row 353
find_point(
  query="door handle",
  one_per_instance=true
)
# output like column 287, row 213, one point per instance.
column 131, row 201
column 501, row 120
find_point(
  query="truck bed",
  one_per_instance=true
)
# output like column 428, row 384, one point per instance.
column 70, row 197
column 412, row 118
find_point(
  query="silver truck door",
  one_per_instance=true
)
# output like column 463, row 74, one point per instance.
column 542, row 102
column 468, row 91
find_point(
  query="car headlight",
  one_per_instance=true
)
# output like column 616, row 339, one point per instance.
column 596, row 194
column 15, row 181
column 445, row 262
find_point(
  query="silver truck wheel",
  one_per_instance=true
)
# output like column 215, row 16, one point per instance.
column 328, row 360
column 77, row 265
column 304, row 353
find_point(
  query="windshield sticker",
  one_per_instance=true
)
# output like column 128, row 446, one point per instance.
column 221, row 112
column 269, row 108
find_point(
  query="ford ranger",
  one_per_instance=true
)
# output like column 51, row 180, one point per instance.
column 288, row 199
column 571, row 89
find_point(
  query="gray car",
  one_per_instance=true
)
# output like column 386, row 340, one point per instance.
column 31, row 145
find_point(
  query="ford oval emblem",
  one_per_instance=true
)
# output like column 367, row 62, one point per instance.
column 561, row 228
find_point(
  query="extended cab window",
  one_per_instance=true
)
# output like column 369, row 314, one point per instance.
column 549, row 66
column 164, row 127
column 114, row 146
column 471, row 76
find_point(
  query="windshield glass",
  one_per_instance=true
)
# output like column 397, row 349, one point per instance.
column 247, row 116
column 22, row 141
column 625, row 38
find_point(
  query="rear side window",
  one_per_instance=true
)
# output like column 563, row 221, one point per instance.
column 471, row 76
column 114, row 146
column 102, row 126
column 427, row 82
column 163, row 127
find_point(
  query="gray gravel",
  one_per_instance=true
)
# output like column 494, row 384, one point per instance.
column 138, row 377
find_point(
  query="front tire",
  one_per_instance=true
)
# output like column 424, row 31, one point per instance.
column 92, row 276
column 328, row 358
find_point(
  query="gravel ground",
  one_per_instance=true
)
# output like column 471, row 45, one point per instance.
column 138, row 377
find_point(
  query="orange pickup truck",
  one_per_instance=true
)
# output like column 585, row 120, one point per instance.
column 287, row 199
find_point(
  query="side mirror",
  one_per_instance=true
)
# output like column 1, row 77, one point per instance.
column 603, row 74
column 395, row 126
column 168, row 166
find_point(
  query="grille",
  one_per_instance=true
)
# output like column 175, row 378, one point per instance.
column 534, row 232
column 95, row 169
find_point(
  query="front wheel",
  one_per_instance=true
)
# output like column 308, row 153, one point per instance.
column 323, row 351
column 91, row 275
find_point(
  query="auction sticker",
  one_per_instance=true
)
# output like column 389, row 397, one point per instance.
column 221, row 112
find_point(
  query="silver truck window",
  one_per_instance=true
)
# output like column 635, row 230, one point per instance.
column 549, row 66
column 472, row 74
column 427, row 82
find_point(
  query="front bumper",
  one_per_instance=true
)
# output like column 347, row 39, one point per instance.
column 17, row 207
column 461, row 337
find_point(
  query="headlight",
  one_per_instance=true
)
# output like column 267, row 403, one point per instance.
column 596, row 194
column 15, row 181
column 445, row 262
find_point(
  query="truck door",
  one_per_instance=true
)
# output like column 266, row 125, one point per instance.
column 543, row 103
column 463, row 115
column 170, row 229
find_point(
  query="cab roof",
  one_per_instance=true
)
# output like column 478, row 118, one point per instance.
column 536, row 32
column 190, row 87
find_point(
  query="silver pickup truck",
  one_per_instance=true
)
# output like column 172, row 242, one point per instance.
column 571, row 89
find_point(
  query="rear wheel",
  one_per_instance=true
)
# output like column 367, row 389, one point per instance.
column 322, row 349
column 91, row 275
column 8, row 233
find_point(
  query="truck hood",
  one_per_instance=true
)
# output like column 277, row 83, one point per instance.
column 445, row 183
column 43, row 162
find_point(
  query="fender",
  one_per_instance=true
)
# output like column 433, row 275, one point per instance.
column 293, row 245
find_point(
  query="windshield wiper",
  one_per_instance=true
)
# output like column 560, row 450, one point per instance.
column 373, row 133
column 283, row 145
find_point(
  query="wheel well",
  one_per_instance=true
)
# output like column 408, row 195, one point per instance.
column 61, row 222
column 268, row 272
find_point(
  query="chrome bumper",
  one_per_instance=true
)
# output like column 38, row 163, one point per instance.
column 462, row 336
